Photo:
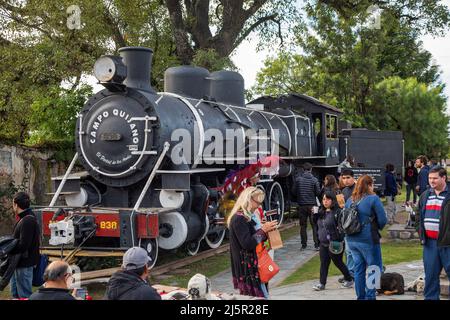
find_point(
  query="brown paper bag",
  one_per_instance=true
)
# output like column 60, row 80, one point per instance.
column 275, row 239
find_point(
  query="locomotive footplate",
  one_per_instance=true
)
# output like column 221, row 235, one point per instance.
column 108, row 223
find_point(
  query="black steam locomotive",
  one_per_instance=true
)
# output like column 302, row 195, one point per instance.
column 154, row 162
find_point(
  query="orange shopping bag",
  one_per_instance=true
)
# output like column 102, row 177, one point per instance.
column 267, row 268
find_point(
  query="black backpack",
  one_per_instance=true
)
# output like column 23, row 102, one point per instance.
column 348, row 221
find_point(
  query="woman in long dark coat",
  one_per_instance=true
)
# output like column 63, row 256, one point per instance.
column 244, row 238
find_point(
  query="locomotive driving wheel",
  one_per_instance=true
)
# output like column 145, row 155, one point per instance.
column 216, row 230
column 275, row 200
column 151, row 246
column 192, row 247
column 215, row 237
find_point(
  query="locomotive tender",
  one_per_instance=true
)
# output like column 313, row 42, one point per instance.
column 154, row 162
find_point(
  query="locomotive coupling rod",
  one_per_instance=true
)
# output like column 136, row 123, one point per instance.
column 63, row 182
column 147, row 185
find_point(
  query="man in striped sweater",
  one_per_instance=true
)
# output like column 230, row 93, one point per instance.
column 434, row 209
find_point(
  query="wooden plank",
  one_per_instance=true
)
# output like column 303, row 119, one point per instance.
column 82, row 253
column 180, row 271
column 98, row 273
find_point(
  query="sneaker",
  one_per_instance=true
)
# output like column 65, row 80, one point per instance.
column 319, row 287
column 303, row 247
column 341, row 280
column 347, row 284
column 317, row 248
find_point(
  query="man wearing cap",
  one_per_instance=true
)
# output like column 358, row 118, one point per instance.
column 131, row 282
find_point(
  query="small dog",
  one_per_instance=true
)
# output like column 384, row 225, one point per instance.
column 392, row 283
column 417, row 285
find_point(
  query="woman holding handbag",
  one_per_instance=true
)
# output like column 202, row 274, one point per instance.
column 244, row 239
column 331, row 241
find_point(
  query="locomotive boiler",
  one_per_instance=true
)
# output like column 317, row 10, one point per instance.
column 154, row 162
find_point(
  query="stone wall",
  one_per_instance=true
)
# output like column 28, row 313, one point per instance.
column 400, row 232
column 29, row 170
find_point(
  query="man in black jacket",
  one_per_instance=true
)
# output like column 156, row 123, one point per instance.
column 131, row 282
column 411, row 176
column 57, row 278
column 348, row 179
column 26, row 230
column 307, row 188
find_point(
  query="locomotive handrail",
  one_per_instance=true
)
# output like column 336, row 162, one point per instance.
column 63, row 182
column 132, row 167
column 262, row 112
column 147, row 185
column 243, row 108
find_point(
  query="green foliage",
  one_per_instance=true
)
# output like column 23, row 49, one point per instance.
column 6, row 193
column 38, row 52
column 343, row 61
column 211, row 60
column 53, row 116
column 418, row 111
column 7, row 190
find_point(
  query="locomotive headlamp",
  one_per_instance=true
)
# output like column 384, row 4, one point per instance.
column 110, row 69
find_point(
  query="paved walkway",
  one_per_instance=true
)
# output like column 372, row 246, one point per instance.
column 304, row 291
column 289, row 258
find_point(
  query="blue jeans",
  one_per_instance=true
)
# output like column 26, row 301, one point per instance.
column 434, row 259
column 349, row 259
column 378, row 256
column 21, row 283
column 366, row 256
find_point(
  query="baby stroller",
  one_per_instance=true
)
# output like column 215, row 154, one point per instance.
column 412, row 215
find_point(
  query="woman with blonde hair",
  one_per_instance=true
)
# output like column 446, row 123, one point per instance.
column 365, row 245
column 244, row 238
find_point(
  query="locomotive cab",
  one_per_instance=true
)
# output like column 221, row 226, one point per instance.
column 320, row 131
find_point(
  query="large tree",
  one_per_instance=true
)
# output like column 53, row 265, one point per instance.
column 418, row 110
column 342, row 59
column 221, row 25
column 39, row 50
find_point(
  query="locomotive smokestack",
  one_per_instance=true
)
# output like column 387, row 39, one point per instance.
column 139, row 63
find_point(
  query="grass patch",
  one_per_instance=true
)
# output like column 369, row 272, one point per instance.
column 392, row 252
column 6, row 293
column 289, row 233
